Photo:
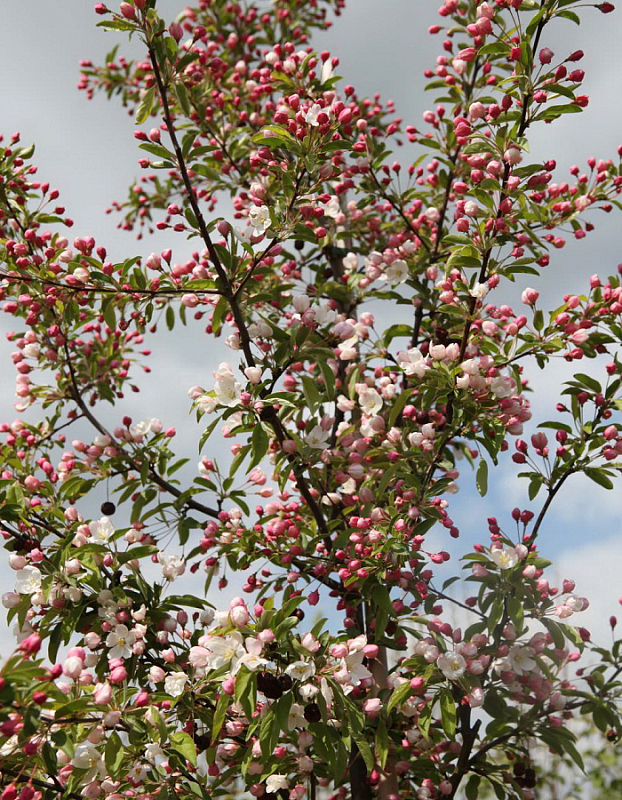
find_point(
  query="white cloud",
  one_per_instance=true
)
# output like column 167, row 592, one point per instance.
column 596, row 569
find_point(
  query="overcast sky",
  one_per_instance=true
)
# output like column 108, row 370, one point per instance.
column 86, row 150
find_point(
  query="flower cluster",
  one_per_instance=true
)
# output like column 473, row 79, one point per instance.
column 369, row 367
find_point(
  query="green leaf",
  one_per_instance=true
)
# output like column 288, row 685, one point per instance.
column 183, row 744
column 538, row 320
column 156, row 150
column 599, row 476
column 49, row 759
column 495, row 614
column 382, row 743
column 588, row 381
column 311, row 393
column 116, row 25
column 535, row 484
column 269, row 733
column 182, row 96
column 471, row 790
column 222, row 306
column 142, row 551
column 448, row 712
column 570, row 15
column 425, row 719
column 399, row 696
column 553, row 112
column 364, row 748
column 556, row 634
column 113, row 755
column 219, row 715
column 246, row 691
column 146, row 104
column 398, row 407
column 260, row 441
column 329, row 378
column 481, row 477
column 15, row 497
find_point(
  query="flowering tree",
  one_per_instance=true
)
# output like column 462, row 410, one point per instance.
column 367, row 359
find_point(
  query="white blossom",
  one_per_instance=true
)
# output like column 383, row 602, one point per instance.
column 214, row 652
column 175, row 683
column 370, row 401
column 301, row 670
column 479, row 291
column 324, row 315
column 296, row 717
column 275, row 783
column 27, row 580
column 452, row 665
column 259, row 218
column 396, row 273
column 522, row 659
column 413, row 362
column 352, row 671
column 504, row 557
column 226, row 388
column 120, row 642
column 172, row 566
column 331, row 208
column 317, row 438
column 101, row 530
column 154, row 754
column 311, row 116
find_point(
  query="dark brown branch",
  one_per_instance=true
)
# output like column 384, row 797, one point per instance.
column 269, row 415
column 151, row 293
column 158, row 479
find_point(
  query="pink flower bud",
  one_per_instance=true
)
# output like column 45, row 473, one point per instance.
column 154, row 261
column 117, row 675
column 127, row 10
column 513, row 156
column 239, row 616
column 102, row 694
column 73, row 667
column 529, row 296
column 545, row 55
column 176, row 31
column 142, row 699
column 372, row 707
column 529, row 571
column 31, row 644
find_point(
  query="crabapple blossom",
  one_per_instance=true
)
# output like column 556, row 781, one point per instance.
column 175, row 683
column 380, row 358
column 452, row 665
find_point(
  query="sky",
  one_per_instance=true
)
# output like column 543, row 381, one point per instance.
column 86, row 150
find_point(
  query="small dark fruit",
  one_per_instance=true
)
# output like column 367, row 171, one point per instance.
column 530, row 778
column 202, row 742
column 285, row 683
column 108, row 508
column 312, row 712
column 298, row 613
column 299, row 244
column 270, row 685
